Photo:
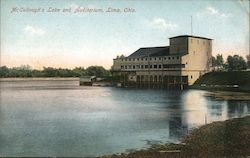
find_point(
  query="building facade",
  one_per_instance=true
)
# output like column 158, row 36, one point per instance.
column 175, row 66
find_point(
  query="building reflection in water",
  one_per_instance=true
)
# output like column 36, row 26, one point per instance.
column 200, row 109
column 194, row 106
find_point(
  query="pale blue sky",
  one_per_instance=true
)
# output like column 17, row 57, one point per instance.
column 84, row 39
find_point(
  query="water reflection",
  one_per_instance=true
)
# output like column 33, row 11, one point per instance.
column 237, row 108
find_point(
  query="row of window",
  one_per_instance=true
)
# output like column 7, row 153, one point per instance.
column 156, row 78
column 155, row 66
column 145, row 59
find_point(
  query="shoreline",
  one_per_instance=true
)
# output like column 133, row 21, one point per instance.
column 39, row 79
column 217, row 139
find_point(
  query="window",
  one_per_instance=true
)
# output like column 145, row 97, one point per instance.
column 137, row 59
column 173, row 65
column 133, row 59
column 150, row 58
column 138, row 66
column 129, row 67
column 141, row 59
column 142, row 66
column 133, row 66
column 150, row 66
column 146, row 59
column 126, row 66
column 129, row 59
column 159, row 66
column 177, row 57
column 159, row 58
column 169, row 58
column 165, row 58
column 125, row 59
column 191, row 76
column 155, row 66
column 155, row 58
column 146, row 66
column 121, row 66
column 172, row 57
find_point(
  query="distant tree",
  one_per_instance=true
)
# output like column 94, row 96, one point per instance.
column 24, row 67
column 27, row 71
column 79, row 71
column 4, row 71
column 236, row 62
column 219, row 60
column 50, row 72
column 248, row 61
column 213, row 61
column 97, row 71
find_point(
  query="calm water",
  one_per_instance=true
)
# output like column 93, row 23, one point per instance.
column 59, row 118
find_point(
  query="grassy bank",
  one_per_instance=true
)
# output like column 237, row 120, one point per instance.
column 230, row 138
column 231, row 81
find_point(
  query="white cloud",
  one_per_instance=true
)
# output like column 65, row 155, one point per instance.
column 31, row 30
column 160, row 23
column 211, row 11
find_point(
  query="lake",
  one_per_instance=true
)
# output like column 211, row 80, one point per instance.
column 60, row 118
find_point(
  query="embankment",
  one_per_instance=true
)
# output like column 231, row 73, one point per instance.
column 230, row 138
column 225, row 81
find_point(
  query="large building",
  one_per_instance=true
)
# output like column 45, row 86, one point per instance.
column 177, row 65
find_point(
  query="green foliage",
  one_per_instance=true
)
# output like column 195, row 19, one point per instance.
column 27, row 71
column 213, row 61
column 218, row 60
column 248, row 61
column 236, row 62
column 97, row 71
column 225, row 78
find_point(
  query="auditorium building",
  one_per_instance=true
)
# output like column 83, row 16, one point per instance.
column 175, row 66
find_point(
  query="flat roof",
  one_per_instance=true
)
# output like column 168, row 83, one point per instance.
column 191, row 36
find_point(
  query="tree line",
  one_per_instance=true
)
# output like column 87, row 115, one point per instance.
column 232, row 63
column 27, row 71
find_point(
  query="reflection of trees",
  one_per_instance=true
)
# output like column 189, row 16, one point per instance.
column 237, row 108
column 216, row 109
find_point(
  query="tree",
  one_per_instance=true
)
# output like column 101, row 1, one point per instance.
column 219, row 60
column 248, row 61
column 97, row 71
column 213, row 61
column 236, row 62
column 4, row 71
column 79, row 71
column 50, row 72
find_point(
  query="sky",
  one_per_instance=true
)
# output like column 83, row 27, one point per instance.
column 65, row 38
